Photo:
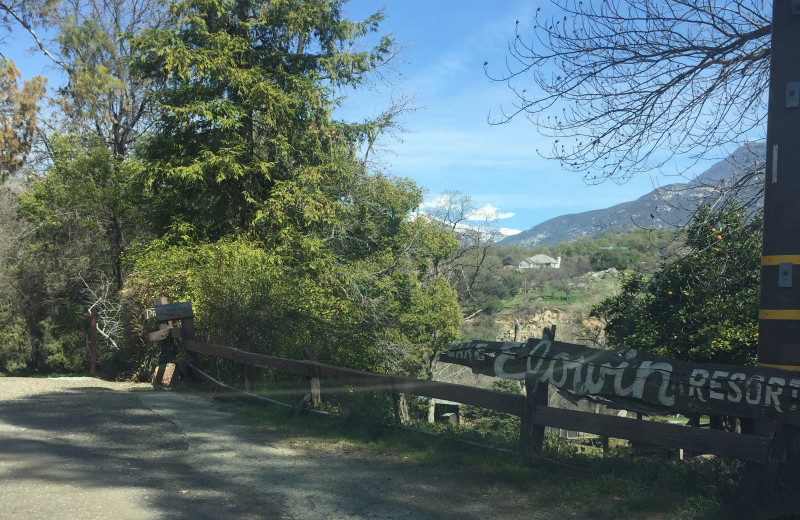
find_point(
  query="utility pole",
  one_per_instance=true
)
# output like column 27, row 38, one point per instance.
column 779, row 314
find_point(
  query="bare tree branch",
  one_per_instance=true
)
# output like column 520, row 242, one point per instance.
column 109, row 324
column 13, row 11
column 625, row 86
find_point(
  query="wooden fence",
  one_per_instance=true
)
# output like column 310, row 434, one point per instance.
column 177, row 322
column 741, row 446
column 532, row 409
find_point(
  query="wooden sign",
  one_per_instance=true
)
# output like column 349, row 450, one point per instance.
column 173, row 311
column 638, row 380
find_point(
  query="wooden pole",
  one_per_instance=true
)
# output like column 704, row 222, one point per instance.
column 93, row 343
column 311, row 355
column 779, row 314
column 537, row 396
column 187, row 332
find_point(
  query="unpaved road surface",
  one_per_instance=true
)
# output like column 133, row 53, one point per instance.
column 81, row 448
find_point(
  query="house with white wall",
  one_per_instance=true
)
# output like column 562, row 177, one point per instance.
column 540, row 260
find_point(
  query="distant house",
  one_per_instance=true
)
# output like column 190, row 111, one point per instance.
column 540, row 261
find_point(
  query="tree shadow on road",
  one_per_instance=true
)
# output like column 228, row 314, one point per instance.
column 166, row 455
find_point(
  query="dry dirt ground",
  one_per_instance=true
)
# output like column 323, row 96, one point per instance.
column 82, row 448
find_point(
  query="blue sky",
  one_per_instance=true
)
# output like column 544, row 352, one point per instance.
column 447, row 143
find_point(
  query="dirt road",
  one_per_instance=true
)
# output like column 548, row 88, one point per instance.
column 81, row 448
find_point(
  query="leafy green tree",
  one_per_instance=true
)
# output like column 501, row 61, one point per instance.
column 83, row 207
column 84, row 216
column 85, row 202
column 617, row 258
column 245, row 139
column 380, row 312
column 260, row 202
column 15, row 344
column 702, row 307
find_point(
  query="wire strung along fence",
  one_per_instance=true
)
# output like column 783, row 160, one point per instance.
column 637, row 379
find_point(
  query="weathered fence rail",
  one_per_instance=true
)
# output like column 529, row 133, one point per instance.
column 727, row 444
column 499, row 401
column 741, row 446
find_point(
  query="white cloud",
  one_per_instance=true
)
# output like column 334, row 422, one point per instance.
column 485, row 213
column 507, row 232
column 489, row 212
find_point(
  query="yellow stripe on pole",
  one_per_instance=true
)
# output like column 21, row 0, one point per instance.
column 793, row 368
column 779, row 314
column 780, row 259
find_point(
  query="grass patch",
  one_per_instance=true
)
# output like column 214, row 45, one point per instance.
column 594, row 292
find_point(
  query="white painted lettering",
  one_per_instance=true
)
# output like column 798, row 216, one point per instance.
column 794, row 385
column 549, row 375
column 577, row 378
column 714, row 385
column 592, row 385
column 755, row 383
column 773, row 391
column 696, row 382
column 500, row 362
column 618, row 373
column 563, row 368
column 545, row 345
column 735, row 393
column 643, row 372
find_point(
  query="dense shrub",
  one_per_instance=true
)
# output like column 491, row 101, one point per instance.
column 492, row 425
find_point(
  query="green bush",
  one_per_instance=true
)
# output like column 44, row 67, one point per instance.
column 481, row 327
column 494, row 306
column 703, row 306
column 241, row 298
column 15, row 346
column 369, row 414
column 496, row 427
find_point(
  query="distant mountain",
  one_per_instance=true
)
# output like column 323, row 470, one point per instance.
column 738, row 176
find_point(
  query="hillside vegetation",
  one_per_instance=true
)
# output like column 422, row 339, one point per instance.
column 591, row 271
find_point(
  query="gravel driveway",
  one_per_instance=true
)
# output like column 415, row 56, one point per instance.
column 81, row 448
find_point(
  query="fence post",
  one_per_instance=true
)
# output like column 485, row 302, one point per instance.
column 311, row 355
column 93, row 343
column 187, row 332
column 536, row 395
column 167, row 353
